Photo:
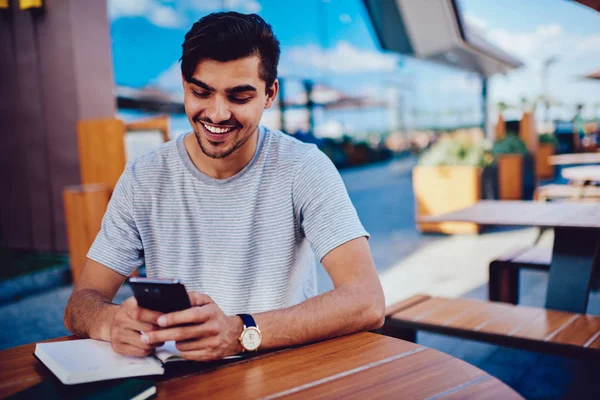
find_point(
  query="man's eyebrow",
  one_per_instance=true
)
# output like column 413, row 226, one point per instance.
column 203, row 85
column 241, row 88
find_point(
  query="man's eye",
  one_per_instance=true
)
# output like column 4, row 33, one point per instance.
column 240, row 100
column 202, row 95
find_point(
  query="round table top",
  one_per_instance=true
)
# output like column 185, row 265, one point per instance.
column 356, row 366
column 583, row 173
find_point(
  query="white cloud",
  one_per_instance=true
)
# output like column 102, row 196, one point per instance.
column 345, row 19
column 344, row 58
column 152, row 10
column 169, row 80
column 245, row 6
column 165, row 17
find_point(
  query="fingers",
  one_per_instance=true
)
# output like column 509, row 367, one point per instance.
column 128, row 342
column 181, row 333
column 199, row 299
column 130, row 350
column 194, row 315
column 140, row 314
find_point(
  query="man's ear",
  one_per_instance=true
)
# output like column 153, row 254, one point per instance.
column 272, row 94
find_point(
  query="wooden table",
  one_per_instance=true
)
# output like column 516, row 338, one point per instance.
column 584, row 174
column 576, row 158
column 364, row 365
column 576, row 249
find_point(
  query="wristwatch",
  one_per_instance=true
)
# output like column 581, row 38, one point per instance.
column 251, row 336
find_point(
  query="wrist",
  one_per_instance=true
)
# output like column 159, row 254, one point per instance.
column 237, row 327
column 101, row 329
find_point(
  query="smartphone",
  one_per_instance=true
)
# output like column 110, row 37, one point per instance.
column 164, row 295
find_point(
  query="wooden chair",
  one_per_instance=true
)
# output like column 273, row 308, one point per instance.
column 103, row 153
column 527, row 328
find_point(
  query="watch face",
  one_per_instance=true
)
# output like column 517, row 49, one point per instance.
column 251, row 339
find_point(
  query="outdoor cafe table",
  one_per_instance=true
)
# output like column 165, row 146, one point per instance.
column 588, row 173
column 576, row 158
column 363, row 365
column 576, row 241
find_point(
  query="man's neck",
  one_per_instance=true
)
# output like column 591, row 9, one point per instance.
column 222, row 168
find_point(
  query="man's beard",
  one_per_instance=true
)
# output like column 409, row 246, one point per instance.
column 220, row 155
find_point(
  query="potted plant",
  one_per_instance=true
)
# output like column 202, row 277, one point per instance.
column 510, row 153
column 450, row 176
column 547, row 144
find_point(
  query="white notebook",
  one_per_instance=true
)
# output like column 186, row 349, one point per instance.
column 89, row 360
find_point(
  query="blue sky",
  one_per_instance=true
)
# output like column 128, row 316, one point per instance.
column 332, row 42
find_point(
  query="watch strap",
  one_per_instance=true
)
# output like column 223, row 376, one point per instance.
column 247, row 319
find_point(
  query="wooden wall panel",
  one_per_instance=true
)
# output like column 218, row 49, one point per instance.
column 31, row 131
column 59, row 95
column 15, row 215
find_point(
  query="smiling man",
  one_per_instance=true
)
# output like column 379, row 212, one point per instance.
column 237, row 212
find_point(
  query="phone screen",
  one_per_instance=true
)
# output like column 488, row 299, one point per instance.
column 161, row 295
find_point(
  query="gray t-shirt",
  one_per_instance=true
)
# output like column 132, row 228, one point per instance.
column 246, row 240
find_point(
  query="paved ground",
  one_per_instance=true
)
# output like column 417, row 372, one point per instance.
column 408, row 262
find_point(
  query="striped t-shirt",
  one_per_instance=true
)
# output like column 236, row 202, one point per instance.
column 246, row 241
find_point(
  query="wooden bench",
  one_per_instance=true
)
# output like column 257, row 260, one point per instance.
column 573, row 192
column 503, row 283
column 528, row 328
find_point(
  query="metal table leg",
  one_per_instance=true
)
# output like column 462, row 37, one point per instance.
column 575, row 254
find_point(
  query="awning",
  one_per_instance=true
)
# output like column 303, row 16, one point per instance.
column 595, row 4
column 593, row 75
column 435, row 30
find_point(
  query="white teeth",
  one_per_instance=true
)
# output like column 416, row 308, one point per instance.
column 216, row 130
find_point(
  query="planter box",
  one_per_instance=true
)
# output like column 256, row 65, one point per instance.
column 543, row 168
column 510, row 177
column 443, row 189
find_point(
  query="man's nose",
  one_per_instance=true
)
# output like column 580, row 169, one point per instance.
column 218, row 111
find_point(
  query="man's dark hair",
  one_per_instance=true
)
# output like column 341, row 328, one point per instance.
column 228, row 36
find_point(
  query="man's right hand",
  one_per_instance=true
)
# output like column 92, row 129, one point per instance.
column 126, row 326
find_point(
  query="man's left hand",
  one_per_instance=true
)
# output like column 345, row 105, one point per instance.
column 208, row 334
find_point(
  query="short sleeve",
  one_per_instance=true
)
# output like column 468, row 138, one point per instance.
column 322, row 205
column 118, row 244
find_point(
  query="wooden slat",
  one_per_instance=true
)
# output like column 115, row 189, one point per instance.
column 485, row 388
column 595, row 343
column 454, row 309
column 287, row 370
column 478, row 316
column 545, row 325
column 397, row 379
column 404, row 304
column 420, row 310
column 507, row 321
column 579, row 332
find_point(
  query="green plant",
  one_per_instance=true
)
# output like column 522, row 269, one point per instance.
column 457, row 151
column 548, row 138
column 511, row 144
